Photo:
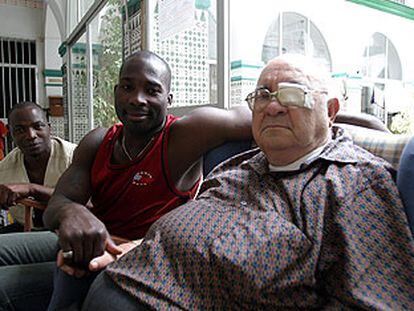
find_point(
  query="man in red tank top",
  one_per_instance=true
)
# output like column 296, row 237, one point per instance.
column 138, row 170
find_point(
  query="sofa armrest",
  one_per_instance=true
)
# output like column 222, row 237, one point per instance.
column 384, row 145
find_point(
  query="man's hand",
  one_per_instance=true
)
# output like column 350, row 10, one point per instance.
column 101, row 262
column 97, row 263
column 76, row 272
column 10, row 193
column 85, row 235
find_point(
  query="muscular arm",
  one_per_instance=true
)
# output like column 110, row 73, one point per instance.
column 73, row 188
column 79, row 230
column 200, row 131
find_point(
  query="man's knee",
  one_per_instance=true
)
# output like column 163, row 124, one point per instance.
column 27, row 248
column 105, row 295
column 26, row 287
column 69, row 292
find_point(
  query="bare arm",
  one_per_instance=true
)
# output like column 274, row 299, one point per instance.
column 10, row 194
column 363, row 120
column 79, row 230
column 73, row 188
column 200, row 131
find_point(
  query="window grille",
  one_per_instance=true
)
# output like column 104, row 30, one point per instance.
column 17, row 73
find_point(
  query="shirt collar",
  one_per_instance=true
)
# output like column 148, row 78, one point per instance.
column 339, row 149
column 307, row 158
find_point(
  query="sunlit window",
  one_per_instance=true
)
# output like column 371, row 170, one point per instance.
column 76, row 9
column 295, row 33
column 381, row 59
column 92, row 78
column 187, row 40
column 106, row 37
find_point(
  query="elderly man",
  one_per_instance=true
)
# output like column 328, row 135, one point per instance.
column 308, row 220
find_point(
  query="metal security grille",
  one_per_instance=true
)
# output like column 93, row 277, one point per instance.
column 17, row 73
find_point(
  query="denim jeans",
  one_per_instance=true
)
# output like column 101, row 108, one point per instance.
column 102, row 293
column 105, row 295
column 27, row 263
column 69, row 292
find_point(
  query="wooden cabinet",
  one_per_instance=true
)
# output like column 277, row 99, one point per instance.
column 56, row 106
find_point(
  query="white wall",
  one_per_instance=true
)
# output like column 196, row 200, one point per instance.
column 53, row 40
column 21, row 22
column 58, row 8
column 40, row 25
column 26, row 23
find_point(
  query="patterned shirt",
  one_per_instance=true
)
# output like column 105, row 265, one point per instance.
column 332, row 235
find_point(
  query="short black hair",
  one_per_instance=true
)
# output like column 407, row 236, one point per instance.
column 148, row 54
column 22, row 105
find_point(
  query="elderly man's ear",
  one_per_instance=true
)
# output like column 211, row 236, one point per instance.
column 170, row 99
column 333, row 108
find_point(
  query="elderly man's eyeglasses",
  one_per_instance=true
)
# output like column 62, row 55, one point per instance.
column 288, row 94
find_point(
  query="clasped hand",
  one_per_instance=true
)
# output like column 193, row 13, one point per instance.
column 89, row 243
column 97, row 263
column 10, row 193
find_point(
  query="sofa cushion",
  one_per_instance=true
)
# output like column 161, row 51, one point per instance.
column 385, row 145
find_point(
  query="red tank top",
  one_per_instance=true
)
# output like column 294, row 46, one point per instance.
column 128, row 198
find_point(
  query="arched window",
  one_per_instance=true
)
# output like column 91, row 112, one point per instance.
column 381, row 59
column 294, row 33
